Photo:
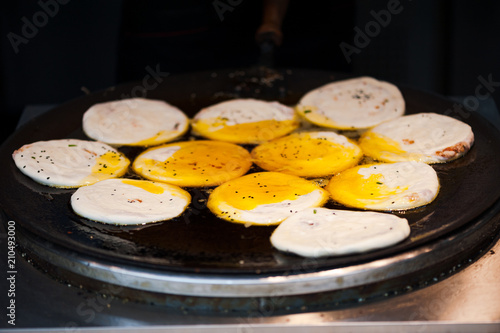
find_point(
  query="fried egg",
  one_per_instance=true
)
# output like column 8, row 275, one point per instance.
column 70, row 163
column 385, row 186
column 423, row 137
column 308, row 154
column 193, row 163
column 322, row 232
column 352, row 104
column 264, row 198
column 245, row 121
column 134, row 122
column 129, row 201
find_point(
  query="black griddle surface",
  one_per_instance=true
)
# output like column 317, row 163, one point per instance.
column 200, row 242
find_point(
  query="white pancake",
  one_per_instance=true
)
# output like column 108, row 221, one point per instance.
column 320, row 232
column 423, row 137
column 352, row 104
column 70, row 163
column 248, row 121
column 385, row 186
column 264, row 198
column 134, row 122
column 129, row 202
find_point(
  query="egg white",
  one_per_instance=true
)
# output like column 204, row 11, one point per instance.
column 423, row 137
column 322, row 232
column 70, row 163
column 357, row 103
column 134, row 122
column 385, row 186
column 264, row 198
column 129, row 202
column 245, row 121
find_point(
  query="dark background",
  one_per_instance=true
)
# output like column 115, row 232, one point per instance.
column 84, row 46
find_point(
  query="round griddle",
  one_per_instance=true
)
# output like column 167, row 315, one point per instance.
column 198, row 243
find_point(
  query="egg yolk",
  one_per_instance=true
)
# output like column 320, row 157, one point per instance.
column 108, row 165
column 385, row 149
column 252, row 132
column 312, row 115
column 253, row 190
column 353, row 189
column 160, row 137
column 145, row 185
column 303, row 155
column 196, row 163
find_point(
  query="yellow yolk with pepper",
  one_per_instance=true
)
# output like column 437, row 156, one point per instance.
column 145, row 185
column 245, row 121
column 107, row 165
column 385, row 186
column 251, row 132
column 160, row 137
column 310, row 113
column 353, row 189
column 264, row 198
column 383, row 148
column 193, row 163
column 314, row 154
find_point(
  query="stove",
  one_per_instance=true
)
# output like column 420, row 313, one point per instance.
column 449, row 284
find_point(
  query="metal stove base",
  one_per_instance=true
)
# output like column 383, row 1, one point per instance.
column 328, row 289
column 466, row 300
